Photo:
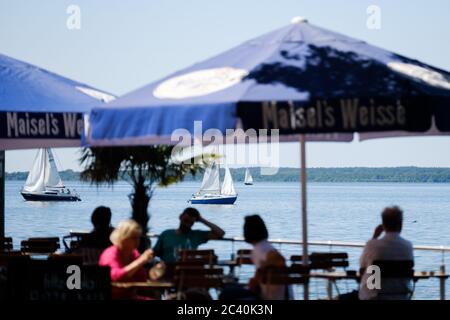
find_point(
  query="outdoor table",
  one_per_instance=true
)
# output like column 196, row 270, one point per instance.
column 334, row 276
column 144, row 284
column 37, row 256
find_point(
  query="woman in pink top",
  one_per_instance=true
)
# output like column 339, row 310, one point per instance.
column 123, row 258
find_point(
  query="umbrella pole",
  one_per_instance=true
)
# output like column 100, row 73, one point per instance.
column 304, row 209
column 2, row 194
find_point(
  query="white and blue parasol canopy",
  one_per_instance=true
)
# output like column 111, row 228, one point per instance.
column 298, row 79
column 39, row 108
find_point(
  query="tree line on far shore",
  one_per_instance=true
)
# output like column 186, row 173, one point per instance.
column 356, row 174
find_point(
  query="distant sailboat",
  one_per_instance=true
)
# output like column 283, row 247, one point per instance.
column 248, row 178
column 211, row 192
column 44, row 183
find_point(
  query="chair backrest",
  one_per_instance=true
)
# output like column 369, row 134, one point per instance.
column 198, row 276
column 275, row 275
column 395, row 268
column 197, row 257
column 6, row 244
column 396, row 279
column 192, row 263
column 40, row 245
column 71, row 242
column 324, row 260
column 66, row 258
column 244, row 256
column 90, row 256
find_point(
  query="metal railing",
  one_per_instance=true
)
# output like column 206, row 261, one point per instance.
column 329, row 243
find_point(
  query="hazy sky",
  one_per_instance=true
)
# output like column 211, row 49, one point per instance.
column 123, row 45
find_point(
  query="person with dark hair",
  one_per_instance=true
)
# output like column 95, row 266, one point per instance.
column 263, row 255
column 99, row 236
column 254, row 229
column 389, row 247
column 101, row 218
column 172, row 240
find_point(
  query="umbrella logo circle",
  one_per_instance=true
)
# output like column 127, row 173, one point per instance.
column 199, row 83
column 418, row 73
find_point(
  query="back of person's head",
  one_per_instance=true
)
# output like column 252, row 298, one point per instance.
column 192, row 212
column 101, row 217
column 125, row 229
column 254, row 229
column 392, row 218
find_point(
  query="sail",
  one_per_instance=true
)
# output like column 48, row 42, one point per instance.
column 248, row 177
column 36, row 177
column 43, row 173
column 52, row 178
column 228, row 186
column 211, row 181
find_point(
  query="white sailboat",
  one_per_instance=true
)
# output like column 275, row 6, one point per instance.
column 211, row 192
column 44, row 183
column 248, row 180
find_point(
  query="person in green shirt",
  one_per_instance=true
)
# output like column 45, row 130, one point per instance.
column 172, row 240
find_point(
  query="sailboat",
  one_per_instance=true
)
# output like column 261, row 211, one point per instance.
column 211, row 192
column 44, row 183
column 248, row 180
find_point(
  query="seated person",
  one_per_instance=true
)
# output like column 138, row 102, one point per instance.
column 390, row 247
column 99, row 236
column 172, row 240
column 124, row 260
column 264, row 254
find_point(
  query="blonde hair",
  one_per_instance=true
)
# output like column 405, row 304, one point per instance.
column 126, row 229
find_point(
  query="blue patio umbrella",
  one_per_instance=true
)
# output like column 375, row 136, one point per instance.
column 39, row 109
column 300, row 79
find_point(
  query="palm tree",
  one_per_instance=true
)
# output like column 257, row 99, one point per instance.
column 144, row 167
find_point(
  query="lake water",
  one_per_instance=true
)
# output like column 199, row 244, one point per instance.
column 337, row 211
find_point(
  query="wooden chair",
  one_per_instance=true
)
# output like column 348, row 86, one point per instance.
column 197, row 277
column 244, row 256
column 40, row 245
column 90, row 256
column 324, row 260
column 275, row 275
column 196, row 257
column 396, row 270
column 6, row 244
column 71, row 242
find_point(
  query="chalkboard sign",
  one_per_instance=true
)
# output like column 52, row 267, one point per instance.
column 6, row 259
column 54, row 280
